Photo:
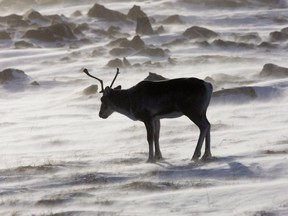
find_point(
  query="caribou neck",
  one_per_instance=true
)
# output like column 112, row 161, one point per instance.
column 122, row 102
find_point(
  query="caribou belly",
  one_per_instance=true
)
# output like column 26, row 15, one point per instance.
column 170, row 115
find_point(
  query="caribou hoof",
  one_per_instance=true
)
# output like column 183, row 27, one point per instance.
column 208, row 159
column 195, row 158
column 158, row 157
column 150, row 160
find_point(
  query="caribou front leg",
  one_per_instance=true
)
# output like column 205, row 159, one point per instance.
column 158, row 155
column 150, row 138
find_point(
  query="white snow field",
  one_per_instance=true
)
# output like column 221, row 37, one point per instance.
column 58, row 157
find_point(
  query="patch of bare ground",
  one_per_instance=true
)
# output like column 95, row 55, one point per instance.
column 62, row 198
column 150, row 186
column 91, row 178
column 264, row 213
column 275, row 152
column 127, row 161
column 32, row 170
column 83, row 213
column 282, row 142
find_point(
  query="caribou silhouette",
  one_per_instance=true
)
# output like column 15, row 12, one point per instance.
column 150, row 101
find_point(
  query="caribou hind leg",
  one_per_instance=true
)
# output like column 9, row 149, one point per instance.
column 207, row 154
column 204, row 126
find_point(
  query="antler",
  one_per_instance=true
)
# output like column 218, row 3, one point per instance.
column 115, row 77
column 101, row 81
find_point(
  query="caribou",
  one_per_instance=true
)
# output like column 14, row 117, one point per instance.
column 150, row 101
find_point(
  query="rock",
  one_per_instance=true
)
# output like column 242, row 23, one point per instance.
column 100, row 51
column 23, row 45
column 136, row 43
column 35, row 16
column 99, row 11
column 174, row 19
column 247, row 91
column 154, row 77
column 154, row 52
column 171, row 60
column 118, row 42
column 267, row 45
column 152, row 64
column 196, row 32
column 76, row 13
column 11, row 74
column 34, row 83
column 81, row 27
column 285, row 30
column 175, row 42
column 55, row 18
column 4, row 35
column 115, row 63
column 14, row 20
column 232, row 44
column 249, row 37
column 113, row 30
column 272, row 70
column 160, row 30
column 56, row 32
column 92, row 89
column 135, row 12
column 278, row 36
column 143, row 26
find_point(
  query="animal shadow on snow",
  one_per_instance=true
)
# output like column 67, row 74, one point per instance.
column 217, row 168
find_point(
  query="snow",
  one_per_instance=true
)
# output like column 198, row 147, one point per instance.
column 59, row 158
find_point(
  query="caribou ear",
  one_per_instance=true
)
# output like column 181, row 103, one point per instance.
column 118, row 87
column 106, row 90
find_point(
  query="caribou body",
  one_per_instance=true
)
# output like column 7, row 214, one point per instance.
column 150, row 101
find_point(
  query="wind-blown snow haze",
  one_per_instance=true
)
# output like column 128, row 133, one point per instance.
column 59, row 158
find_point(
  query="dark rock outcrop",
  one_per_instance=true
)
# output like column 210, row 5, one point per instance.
column 135, row 12
column 143, row 26
column 14, row 20
column 154, row 52
column 252, row 37
column 23, row 45
column 278, row 36
column 4, row 35
column 272, row 70
column 56, row 32
column 35, row 16
column 174, row 19
column 196, row 32
column 92, row 89
column 136, row 43
column 101, row 12
column 246, row 91
column 231, row 44
column 10, row 74
column 115, row 63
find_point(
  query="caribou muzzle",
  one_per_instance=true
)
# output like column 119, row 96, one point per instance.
column 103, row 115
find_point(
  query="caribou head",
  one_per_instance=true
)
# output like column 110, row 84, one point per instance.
column 107, row 107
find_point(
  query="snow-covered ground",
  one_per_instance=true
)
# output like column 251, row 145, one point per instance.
column 59, row 158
